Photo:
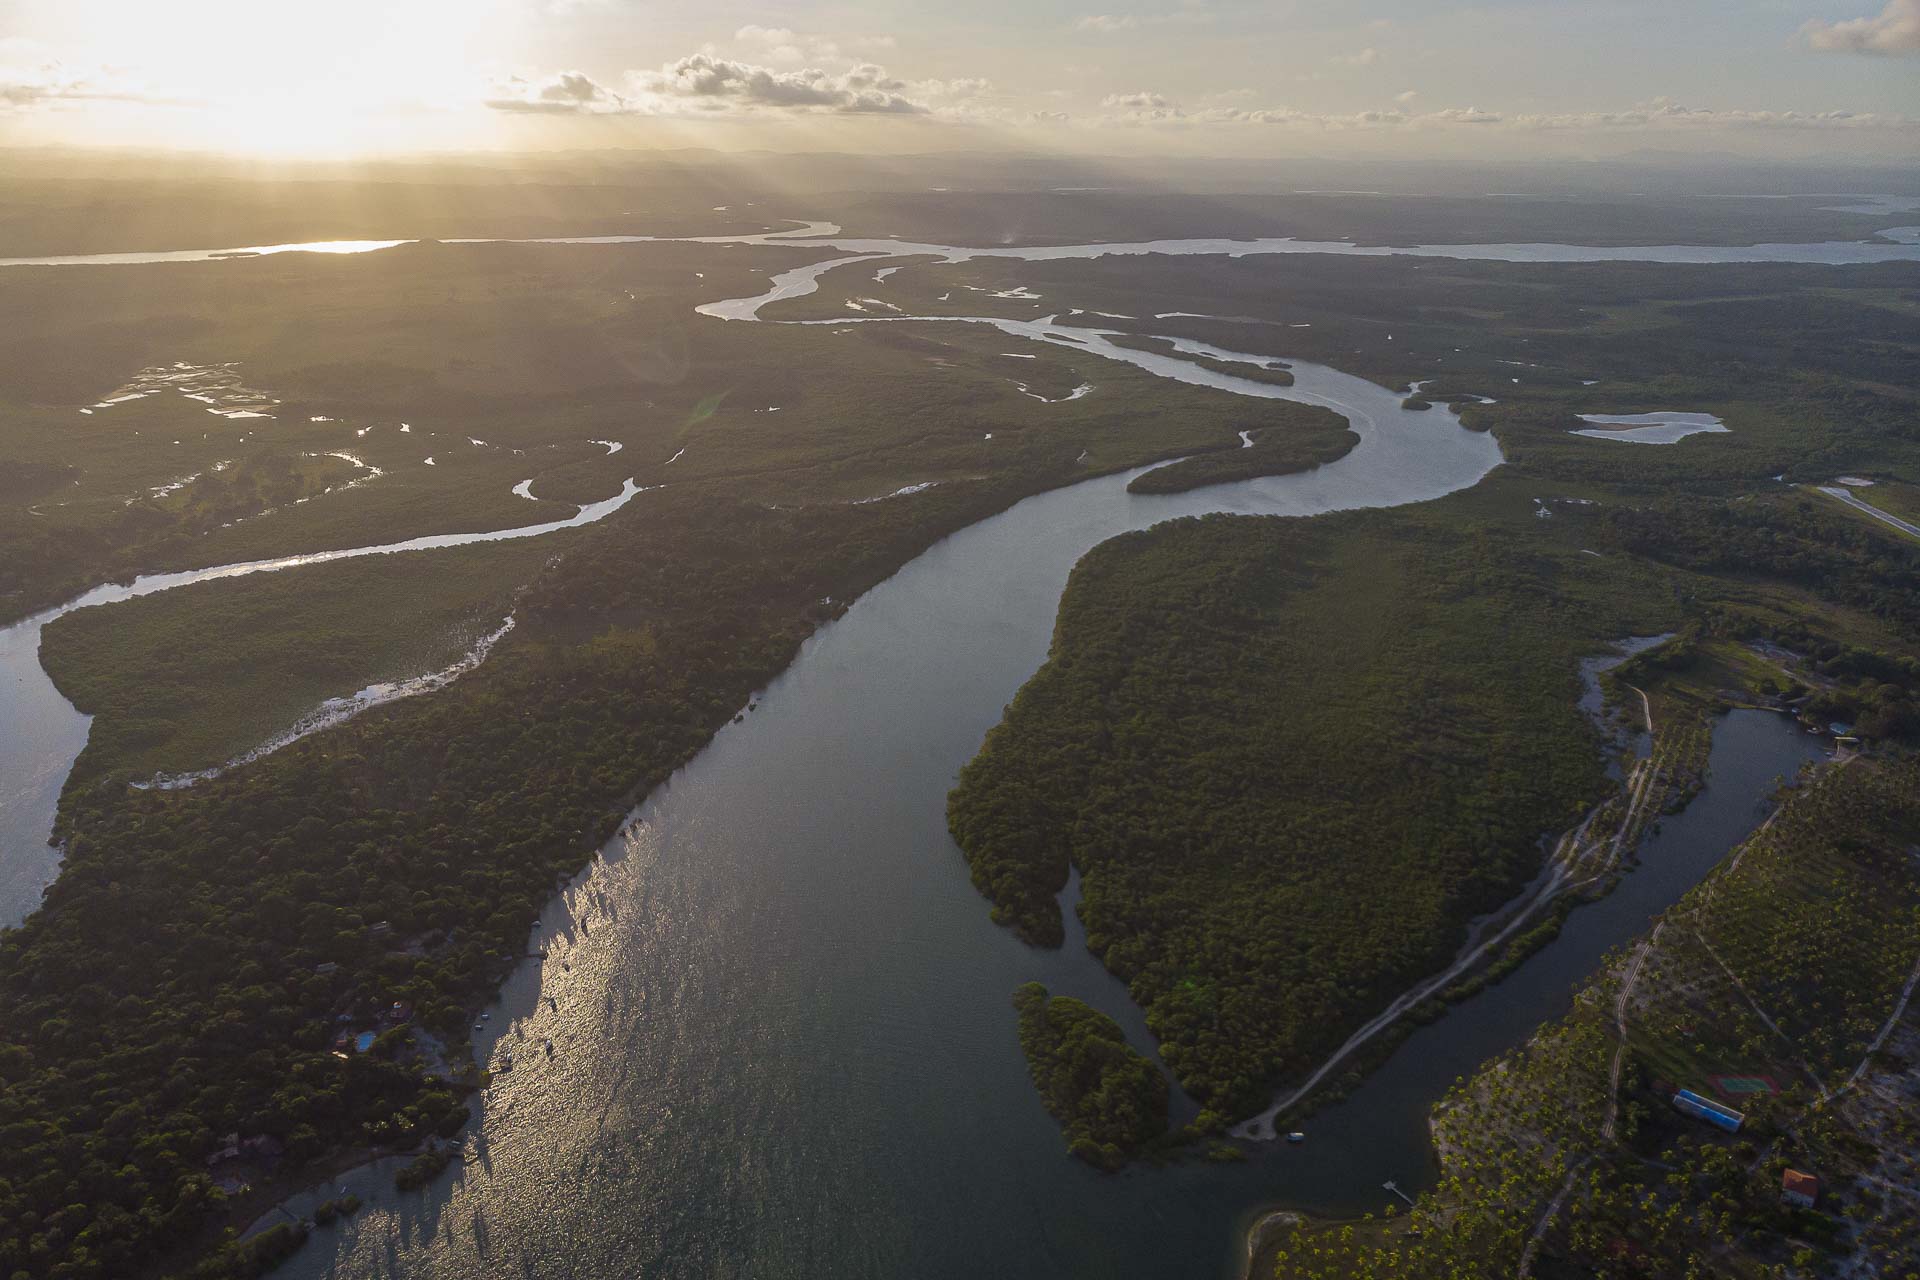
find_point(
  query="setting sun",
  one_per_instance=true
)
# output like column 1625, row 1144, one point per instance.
column 285, row 79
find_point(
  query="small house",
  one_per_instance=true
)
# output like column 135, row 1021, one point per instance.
column 1799, row 1189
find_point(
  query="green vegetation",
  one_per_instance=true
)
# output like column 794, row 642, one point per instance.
column 1276, row 451
column 165, row 700
column 1221, row 739
column 327, row 1212
column 255, row 1256
column 1273, row 372
column 1902, row 500
column 424, row 1168
column 1788, row 964
column 1111, row 1102
column 534, row 352
column 1291, row 759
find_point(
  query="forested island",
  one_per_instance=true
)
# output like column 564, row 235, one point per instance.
column 1270, row 451
column 1110, row 1101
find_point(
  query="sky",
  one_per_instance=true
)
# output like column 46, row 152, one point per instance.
column 1518, row 78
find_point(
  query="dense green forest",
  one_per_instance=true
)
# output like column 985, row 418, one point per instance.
column 1291, row 758
column 1111, row 1101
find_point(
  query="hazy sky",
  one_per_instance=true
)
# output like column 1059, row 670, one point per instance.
column 1566, row 77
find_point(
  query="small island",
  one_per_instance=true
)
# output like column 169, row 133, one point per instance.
column 1110, row 1100
column 1321, row 438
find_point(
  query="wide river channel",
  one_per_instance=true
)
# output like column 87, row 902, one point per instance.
column 783, row 1044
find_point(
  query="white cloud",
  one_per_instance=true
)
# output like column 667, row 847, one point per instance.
column 564, row 93
column 705, row 82
column 51, row 83
column 1106, row 22
column 1895, row 30
column 1142, row 108
column 1364, row 58
column 963, row 87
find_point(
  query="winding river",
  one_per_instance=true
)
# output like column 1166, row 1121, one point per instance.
column 783, row 1046
column 44, row 733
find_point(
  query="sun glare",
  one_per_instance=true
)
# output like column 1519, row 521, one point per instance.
column 294, row 80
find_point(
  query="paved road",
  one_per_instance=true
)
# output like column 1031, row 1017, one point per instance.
column 1846, row 496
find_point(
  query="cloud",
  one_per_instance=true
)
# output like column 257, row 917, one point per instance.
column 51, row 83
column 705, row 82
column 564, row 93
column 1142, row 108
column 1364, row 58
column 1896, row 30
column 33, row 75
column 963, row 87
column 1106, row 22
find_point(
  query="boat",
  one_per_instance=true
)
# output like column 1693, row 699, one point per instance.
column 1296, row 1136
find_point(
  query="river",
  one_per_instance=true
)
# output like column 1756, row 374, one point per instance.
column 783, row 1042
column 1895, row 244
